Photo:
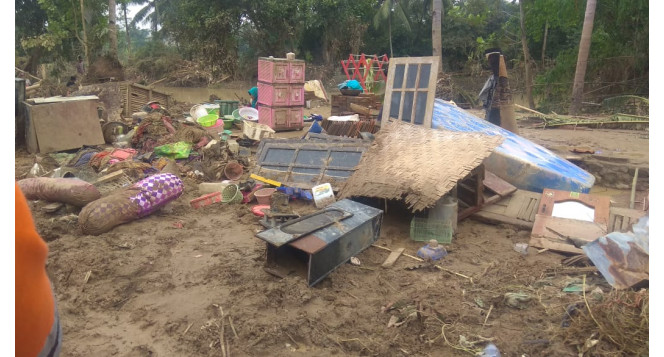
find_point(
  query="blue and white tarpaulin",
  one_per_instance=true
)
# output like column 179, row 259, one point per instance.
column 521, row 162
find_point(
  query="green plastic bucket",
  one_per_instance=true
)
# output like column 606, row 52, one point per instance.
column 226, row 107
column 228, row 122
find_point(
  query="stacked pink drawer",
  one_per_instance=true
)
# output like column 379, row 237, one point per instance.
column 281, row 93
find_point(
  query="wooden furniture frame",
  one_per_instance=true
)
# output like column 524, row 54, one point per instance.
column 408, row 77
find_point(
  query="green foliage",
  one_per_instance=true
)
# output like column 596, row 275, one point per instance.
column 227, row 36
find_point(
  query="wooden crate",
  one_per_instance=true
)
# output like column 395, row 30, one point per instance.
column 341, row 103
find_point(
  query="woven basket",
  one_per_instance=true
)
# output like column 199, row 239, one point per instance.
column 231, row 194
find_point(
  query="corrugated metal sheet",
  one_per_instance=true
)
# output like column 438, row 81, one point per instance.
column 623, row 258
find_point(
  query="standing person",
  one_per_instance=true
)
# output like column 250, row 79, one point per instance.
column 253, row 92
column 487, row 94
column 71, row 85
column 80, row 67
column 37, row 322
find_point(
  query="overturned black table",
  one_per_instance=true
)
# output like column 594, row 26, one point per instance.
column 322, row 251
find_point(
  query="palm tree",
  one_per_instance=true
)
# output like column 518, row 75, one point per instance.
column 148, row 14
column 112, row 29
column 123, row 6
column 387, row 10
column 436, row 35
column 582, row 61
column 526, row 57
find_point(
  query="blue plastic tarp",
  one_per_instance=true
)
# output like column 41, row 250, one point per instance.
column 521, row 162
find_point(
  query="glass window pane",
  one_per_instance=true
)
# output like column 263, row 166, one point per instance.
column 344, row 158
column 425, row 73
column 407, row 106
column 395, row 103
column 412, row 75
column 398, row 75
column 420, row 107
column 279, row 156
column 311, row 157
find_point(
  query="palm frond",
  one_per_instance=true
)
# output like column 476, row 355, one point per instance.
column 383, row 14
column 400, row 16
column 142, row 15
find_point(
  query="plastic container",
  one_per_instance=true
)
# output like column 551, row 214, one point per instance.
column 256, row 131
column 323, row 195
column 424, row 230
column 263, row 195
column 228, row 122
column 206, row 200
column 236, row 114
column 490, row 351
column 226, row 107
column 233, row 170
column 231, row 194
column 257, row 210
column 248, row 113
column 446, row 211
column 208, row 120
column 432, row 251
column 210, row 187
column 197, row 111
column 521, row 248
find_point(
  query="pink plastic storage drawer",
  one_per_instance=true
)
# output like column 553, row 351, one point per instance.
column 279, row 95
column 273, row 94
column 296, row 95
column 280, row 70
column 273, row 71
column 296, row 72
column 281, row 118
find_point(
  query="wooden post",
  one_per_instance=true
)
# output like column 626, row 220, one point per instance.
column 632, row 197
column 507, row 116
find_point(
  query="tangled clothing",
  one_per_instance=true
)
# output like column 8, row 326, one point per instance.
column 37, row 324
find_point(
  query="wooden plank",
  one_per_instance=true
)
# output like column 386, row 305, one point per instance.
column 533, row 211
column 554, row 246
column 110, row 177
column 498, row 185
column 495, row 218
column 63, row 99
column 511, row 209
column 392, row 258
column 553, row 233
column 514, row 206
column 622, row 218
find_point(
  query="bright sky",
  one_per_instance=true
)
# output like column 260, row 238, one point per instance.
column 132, row 9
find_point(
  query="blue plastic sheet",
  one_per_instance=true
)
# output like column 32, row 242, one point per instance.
column 521, row 162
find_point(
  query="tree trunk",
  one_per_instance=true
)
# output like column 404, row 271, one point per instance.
column 526, row 58
column 156, row 19
column 436, row 35
column 582, row 61
column 85, row 36
column 112, row 29
column 546, row 32
column 389, row 32
column 124, row 8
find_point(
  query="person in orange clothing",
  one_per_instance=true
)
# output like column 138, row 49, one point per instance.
column 38, row 331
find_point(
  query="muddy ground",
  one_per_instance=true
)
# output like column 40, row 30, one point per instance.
column 155, row 289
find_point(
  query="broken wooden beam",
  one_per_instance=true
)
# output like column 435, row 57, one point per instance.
column 392, row 258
